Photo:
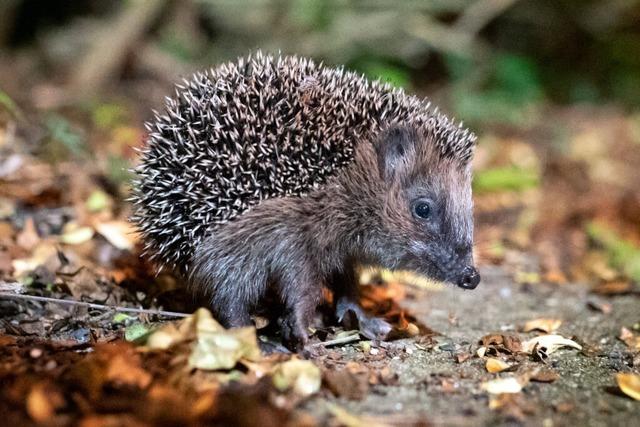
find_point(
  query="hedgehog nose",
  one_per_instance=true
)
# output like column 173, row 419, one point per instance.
column 469, row 278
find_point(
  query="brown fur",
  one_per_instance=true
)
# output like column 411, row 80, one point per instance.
column 296, row 245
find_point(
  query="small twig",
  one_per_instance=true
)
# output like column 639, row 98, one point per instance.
column 342, row 340
column 92, row 305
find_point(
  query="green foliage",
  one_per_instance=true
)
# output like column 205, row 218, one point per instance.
column 622, row 254
column 97, row 201
column 137, row 332
column 507, row 91
column 385, row 70
column 121, row 318
column 119, row 170
column 509, row 178
column 108, row 116
column 63, row 139
column 176, row 46
column 8, row 104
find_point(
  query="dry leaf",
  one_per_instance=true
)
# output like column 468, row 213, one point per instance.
column 347, row 419
column 347, row 384
column 511, row 405
column 222, row 350
column 122, row 370
column 603, row 307
column 301, row 376
column 618, row 287
column 496, row 365
column 42, row 402
column 28, row 238
column 503, row 385
column 632, row 341
column 75, row 235
column 214, row 346
column 629, row 384
column 564, row 407
column 548, row 344
column 119, row 233
column 44, row 253
column 463, row 356
column 544, row 375
column 544, row 325
column 501, row 342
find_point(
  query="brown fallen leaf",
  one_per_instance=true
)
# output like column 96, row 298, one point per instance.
column 114, row 365
column 45, row 253
column 511, row 405
column 603, row 307
column 496, row 365
column 501, row 342
column 121, row 369
column 564, row 407
column 28, row 238
column 544, row 375
column 42, row 402
column 629, row 338
column 343, row 383
column 348, row 419
column 544, row 325
column 629, row 384
column 615, row 287
column 463, row 356
column 449, row 386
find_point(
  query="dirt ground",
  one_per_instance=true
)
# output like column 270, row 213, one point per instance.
column 425, row 380
column 583, row 394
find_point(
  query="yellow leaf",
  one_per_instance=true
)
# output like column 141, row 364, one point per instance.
column 503, row 385
column 74, row 235
column 629, row 384
column 119, row 233
column 213, row 346
column 544, row 325
column 302, row 376
column 348, row 419
column 496, row 365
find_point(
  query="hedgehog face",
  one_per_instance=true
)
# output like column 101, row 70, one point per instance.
column 427, row 207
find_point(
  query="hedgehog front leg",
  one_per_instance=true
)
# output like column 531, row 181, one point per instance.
column 346, row 296
column 301, row 294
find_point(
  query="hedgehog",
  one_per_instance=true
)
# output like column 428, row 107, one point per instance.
column 269, row 179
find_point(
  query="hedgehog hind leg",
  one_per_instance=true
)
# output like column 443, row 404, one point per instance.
column 348, row 310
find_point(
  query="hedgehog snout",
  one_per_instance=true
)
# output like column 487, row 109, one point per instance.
column 469, row 278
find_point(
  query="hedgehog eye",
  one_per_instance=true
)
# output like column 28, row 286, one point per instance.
column 422, row 209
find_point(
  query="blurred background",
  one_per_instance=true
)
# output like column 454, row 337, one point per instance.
column 552, row 88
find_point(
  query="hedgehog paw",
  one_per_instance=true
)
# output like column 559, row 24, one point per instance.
column 293, row 333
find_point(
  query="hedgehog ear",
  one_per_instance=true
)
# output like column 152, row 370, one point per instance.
column 395, row 149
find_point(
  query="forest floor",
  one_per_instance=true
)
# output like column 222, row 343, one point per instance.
column 442, row 388
column 433, row 379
